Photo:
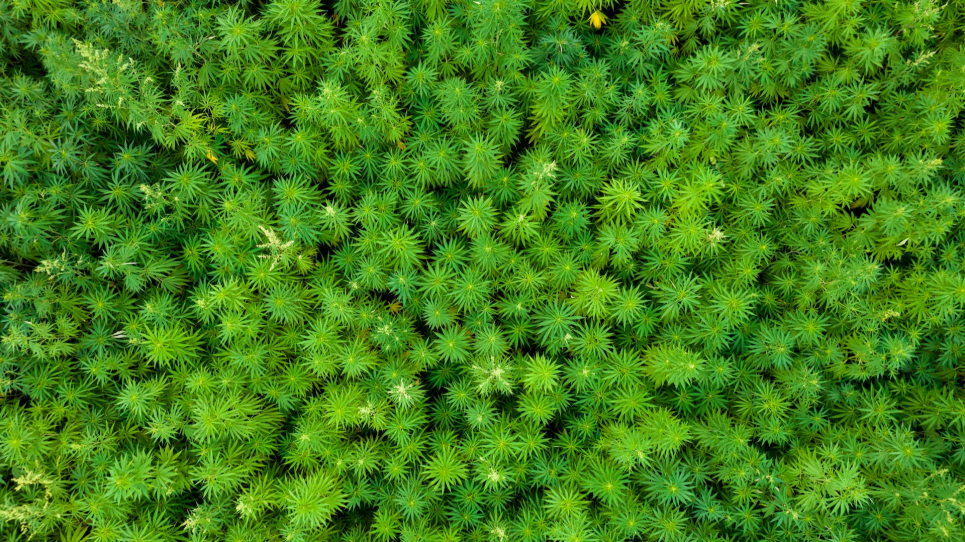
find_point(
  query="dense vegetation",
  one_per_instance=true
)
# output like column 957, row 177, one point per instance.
column 482, row 270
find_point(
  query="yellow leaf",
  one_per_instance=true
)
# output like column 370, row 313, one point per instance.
column 211, row 156
column 597, row 19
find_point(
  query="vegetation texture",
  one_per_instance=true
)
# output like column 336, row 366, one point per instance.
column 482, row 270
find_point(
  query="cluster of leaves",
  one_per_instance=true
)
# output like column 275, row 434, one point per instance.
column 482, row 270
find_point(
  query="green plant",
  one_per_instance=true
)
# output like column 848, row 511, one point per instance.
column 482, row 270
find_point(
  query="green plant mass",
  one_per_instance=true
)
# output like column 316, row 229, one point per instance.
column 482, row 271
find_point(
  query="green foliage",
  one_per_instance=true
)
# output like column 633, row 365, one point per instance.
column 482, row 271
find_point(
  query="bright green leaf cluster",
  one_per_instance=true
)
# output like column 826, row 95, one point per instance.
column 482, row 271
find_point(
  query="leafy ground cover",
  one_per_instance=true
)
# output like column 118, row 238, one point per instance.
column 482, row 270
